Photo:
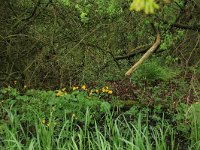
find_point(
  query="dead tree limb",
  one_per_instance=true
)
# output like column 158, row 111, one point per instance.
column 146, row 55
column 135, row 51
column 187, row 27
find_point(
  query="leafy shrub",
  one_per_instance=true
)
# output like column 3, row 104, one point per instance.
column 153, row 70
column 41, row 112
column 192, row 115
column 43, row 103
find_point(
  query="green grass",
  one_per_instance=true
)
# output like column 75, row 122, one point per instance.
column 114, row 134
column 40, row 120
column 111, row 133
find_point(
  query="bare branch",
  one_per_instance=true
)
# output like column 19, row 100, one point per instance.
column 135, row 51
column 145, row 56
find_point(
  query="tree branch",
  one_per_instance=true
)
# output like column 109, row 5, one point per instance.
column 137, row 50
column 146, row 55
column 33, row 12
column 186, row 27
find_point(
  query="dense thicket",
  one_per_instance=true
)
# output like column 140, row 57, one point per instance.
column 56, row 42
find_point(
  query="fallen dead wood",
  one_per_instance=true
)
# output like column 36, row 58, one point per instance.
column 146, row 55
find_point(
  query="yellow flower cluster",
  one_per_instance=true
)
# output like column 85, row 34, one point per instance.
column 75, row 88
column 110, row 91
column 106, row 90
column 61, row 92
column 84, row 87
column 96, row 91
column 103, row 90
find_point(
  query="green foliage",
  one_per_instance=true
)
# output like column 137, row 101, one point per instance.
column 66, row 2
column 47, row 44
column 9, row 91
column 83, row 11
column 44, row 102
column 116, row 133
column 168, row 40
column 105, row 107
column 181, row 119
column 191, row 115
column 77, row 41
column 153, row 70
column 111, row 7
column 51, row 118
column 148, row 6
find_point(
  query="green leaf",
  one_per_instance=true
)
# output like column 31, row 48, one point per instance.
column 105, row 107
column 83, row 15
column 148, row 6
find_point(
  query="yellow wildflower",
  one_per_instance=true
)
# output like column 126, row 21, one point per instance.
column 15, row 82
column 110, row 92
column 74, row 88
column 43, row 121
column 59, row 93
column 91, row 92
column 97, row 91
column 63, row 89
column 84, row 87
column 104, row 89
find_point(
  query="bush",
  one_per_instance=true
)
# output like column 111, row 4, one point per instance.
column 153, row 70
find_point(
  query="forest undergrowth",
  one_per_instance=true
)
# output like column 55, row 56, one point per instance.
column 154, row 109
column 99, row 74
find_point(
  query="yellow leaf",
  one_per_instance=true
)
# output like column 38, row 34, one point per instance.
column 148, row 6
